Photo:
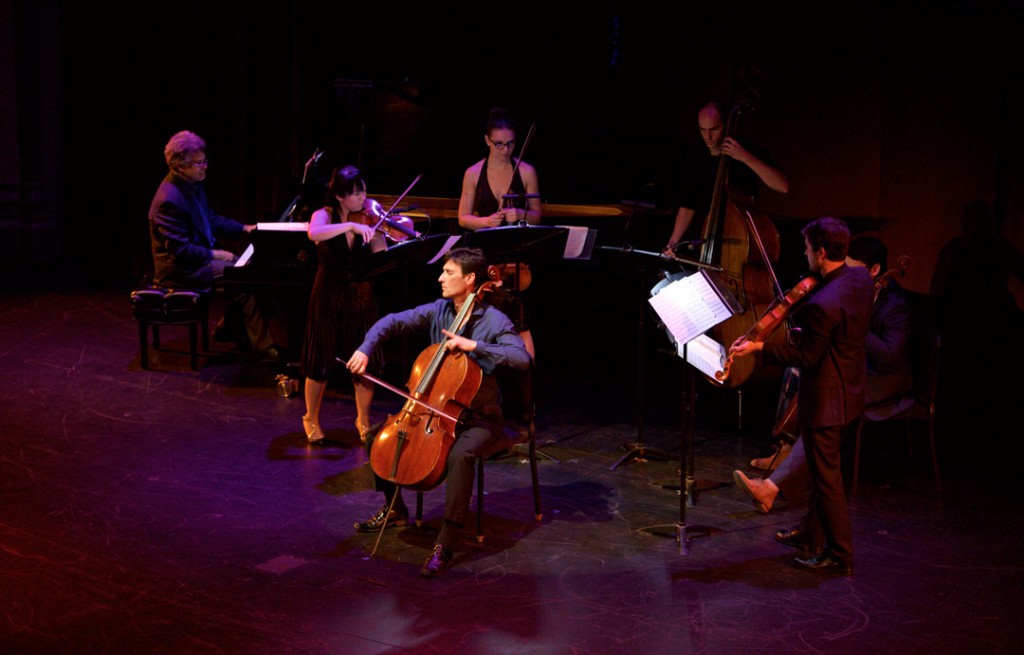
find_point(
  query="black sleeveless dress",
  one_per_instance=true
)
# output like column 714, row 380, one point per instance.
column 509, row 301
column 341, row 309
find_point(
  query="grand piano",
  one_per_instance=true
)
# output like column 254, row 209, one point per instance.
column 278, row 267
column 280, row 264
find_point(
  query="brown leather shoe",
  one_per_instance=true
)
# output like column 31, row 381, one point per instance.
column 439, row 561
column 761, row 492
column 773, row 462
column 398, row 516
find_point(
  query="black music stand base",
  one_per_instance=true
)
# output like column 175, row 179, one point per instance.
column 694, row 488
column 637, row 452
column 682, row 533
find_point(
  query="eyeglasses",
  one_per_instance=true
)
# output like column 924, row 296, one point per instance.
column 203, row 163
column 503, row 144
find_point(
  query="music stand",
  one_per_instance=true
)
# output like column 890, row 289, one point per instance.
column 410, row 251
column 644, row 262
column 521, row 243
column 530, row 243
column 690, row 305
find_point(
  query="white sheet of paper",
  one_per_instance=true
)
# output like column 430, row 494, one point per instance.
column 448, row 245
column 705, row 354
column 246, row 256
column 689, row 307
column 575, row 241
column 282, row 227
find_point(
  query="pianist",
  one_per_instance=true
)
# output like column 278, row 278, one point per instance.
column 183, row 233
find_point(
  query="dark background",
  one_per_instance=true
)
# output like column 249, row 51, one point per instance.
column 893, row 115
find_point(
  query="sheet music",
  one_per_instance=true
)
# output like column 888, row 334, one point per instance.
column 705, row 354
column 282, row 227
column 690, row 306
column 246, row 256
column 576, row 240
column 448, row 245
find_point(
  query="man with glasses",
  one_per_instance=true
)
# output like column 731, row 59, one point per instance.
column 700, row 169
column 184, row 234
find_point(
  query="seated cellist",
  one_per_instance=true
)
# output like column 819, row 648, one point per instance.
column 490, row 340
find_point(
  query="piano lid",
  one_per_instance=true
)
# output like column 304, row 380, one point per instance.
column 449, row 208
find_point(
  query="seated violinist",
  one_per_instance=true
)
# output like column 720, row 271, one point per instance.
column 490, row 341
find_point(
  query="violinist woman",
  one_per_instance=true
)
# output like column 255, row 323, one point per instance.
column 341, row 309
column 483, row 205
column 489, row 340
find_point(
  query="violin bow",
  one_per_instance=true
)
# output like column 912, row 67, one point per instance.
column 404, row 194
column 522, row 152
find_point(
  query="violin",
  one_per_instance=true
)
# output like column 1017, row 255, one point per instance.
column 774, row 316
column 393, row 227
column 411, row 449
column 514, row 275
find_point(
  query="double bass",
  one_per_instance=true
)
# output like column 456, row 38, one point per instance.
column 744, row 243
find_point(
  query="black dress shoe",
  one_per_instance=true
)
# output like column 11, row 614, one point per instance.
column 792, row 537
column 438, row 562
column 825, row 563
column 235, row 334
column 398, row 516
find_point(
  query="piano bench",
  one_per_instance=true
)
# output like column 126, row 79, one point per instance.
column 154, row 306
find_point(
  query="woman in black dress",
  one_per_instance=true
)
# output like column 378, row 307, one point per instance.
column 341, row 309
column 482, row 205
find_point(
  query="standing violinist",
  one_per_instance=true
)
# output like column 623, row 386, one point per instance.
column 700, row 170
column 483, row 205
column 832, row 358
column 341, row 308
column 490, row 340
column 888, row 381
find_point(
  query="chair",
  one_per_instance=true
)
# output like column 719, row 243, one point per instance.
column 519, row 433
column 915, row 409
column 154, row 306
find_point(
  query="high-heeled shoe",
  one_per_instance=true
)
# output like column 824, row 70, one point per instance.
column 363, row 430
column 314, row 434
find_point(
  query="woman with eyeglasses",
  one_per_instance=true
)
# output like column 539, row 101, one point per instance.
column 502, row 190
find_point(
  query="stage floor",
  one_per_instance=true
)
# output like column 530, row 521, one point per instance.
column 180, row 511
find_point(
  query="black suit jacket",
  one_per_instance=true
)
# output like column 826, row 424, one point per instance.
column 888, row 346
column 831, row 354
column 183, row 231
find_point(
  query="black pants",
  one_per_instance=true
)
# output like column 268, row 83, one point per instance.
column 827, row 520
column 460, row 475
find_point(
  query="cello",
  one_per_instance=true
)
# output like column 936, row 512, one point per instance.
column 744, row 243
column 411, row 448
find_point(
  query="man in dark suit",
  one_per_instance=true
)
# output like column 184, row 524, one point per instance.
column 183, row 233
column 888, row 382
column 832, row 359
